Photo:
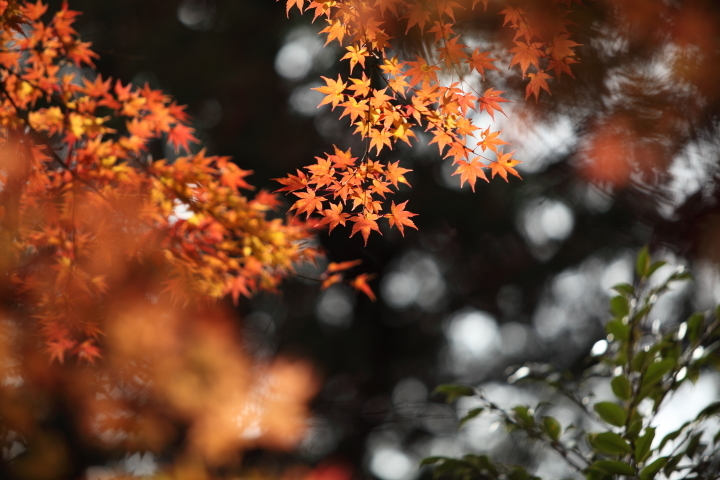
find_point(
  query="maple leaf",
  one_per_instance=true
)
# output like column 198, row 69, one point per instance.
column 470, row 172
column 88, row 352
column 442, row 30
column 321, row 7
column 294, row 3
column 237, row 286
column 537, row 81
column 354, row 109
column 421, row 71
column 417, row 15
column 336, row 31
column 512, row 15
column 391, row 66
column 491, row 140
column 562, row 66
column 481, row 61
column 380, row 138
column 330, row 281
column 442, row 138
column 360, row 284
column 292, row 182
column 180, row 136
column 561, row 47
column 490, row 102
column 452, row 53
column 231, row 175
column 526, row 54
column 395, row 173
column 308, row 202
column 356, row 54
column 34, row 11
column 365, row 223
column 400, row 218
column 342, row 159
column 342, row 266
column 264, row 200
column 388, row 5
column 484, row 2
column 361, row 86
column 333, row 91
column 504, row 165
column 333, row 217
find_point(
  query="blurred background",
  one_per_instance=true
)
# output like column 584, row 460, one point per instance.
column 624, row 155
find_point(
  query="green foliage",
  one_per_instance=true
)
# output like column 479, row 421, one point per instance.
column 644, row 366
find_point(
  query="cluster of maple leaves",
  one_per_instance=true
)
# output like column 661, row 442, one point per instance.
column 80, row 192
column 393, row 97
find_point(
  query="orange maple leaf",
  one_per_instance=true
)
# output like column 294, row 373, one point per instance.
column 470, row 172
column 562, row 47
column 339, row 267
column 452, row 53
column 490, row 100
column 180, row 136
column 333, row 91
column 333, row 217
column 356, row 54
column 537, row 81
column 364, row 223
column 481, row 61
column 417, row 15
column 526, row 54
column 512, row 15
column 395, row 173
column 504, row 165
column 360, row 284
column 491, row 140
column 308, row 202
column 294, row 3
column 400, row 218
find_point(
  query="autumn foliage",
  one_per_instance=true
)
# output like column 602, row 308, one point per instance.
column 113, row 262
column 388, row 97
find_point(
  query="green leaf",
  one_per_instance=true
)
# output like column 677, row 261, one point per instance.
column 619, row 306
column 612, row 413
column 431, row 460
column 523, row 415
column 709, row 411
column 615, row 467
column 609, row 442
column 638, row 361
column 470, row 415
column 618, row 330
column 621, row 387
column 653, row 268
column 624, row 289
column 671, row 464
column 634, row 429
column 672, row 435
column 453, row 392
column 649, row 472
column 519, row 473
column 642, row 264
column 695, row 324
column 656, row 371
column 642, row 445
column 552, row 427
column 693, row 445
